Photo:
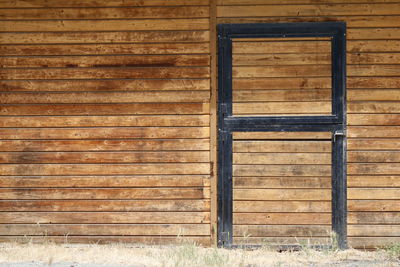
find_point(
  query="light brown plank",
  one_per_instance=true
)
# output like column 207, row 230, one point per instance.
column 374, row 131
column 373, row 156
column 297, row 108
column 372, row 242
column 281, row 135
column 107, row 73
column 104, row 25
column 96, row 169
column 105, row 85
column 103, row 157
column 104, row 97
column 104, row 133
column 103, row 37
column 106, row 109
column 377, row 230
column 373, row 58
column 373, row 70
column 282, row 170
column 280, row 158
column 105, row 205
column 373, row 181
column 280, row 47
column 105, row 194
column 373, row 95
column 292, row 2
column 281, row 230
column 106, row 229
column 103, row 49
column 282, row 218
column 281, row 206
column 103, row 181
column 281, row 182
column 280, row 95
column 373, row 107
column 373, row 144
column 105, row 13
column 279, row 194
column 89, row 3
column 373, row 168
column 104, row 217
column 279, row 59
column 97, row 121
column 104, row 145
column 373, row 193
column 285, row 71
column 373, row 82
column 373, row 218
column 373, row 119
column 282, row 83
column 104, row 61
column 373, row 205
column 280, row 146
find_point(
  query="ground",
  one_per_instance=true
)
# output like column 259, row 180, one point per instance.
column 118, row 255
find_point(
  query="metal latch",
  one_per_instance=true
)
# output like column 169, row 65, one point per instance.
column 338, row 133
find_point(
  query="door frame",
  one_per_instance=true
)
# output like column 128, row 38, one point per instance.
column 334, row 123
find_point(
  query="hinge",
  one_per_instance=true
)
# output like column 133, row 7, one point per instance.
column 338, row 133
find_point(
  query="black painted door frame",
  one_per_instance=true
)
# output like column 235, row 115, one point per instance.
column 334, row 123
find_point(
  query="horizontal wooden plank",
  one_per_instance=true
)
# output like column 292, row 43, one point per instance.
column 373, row 82
column 105, row 13
column 373, row 144
column 105, row 205
column 284, row 71
column 104, row 133
column 294, row 107
column 103, row 37
column 281, row 230
column 105, row 85
column 101, row 169
column 373, row 70
column 277, row 47
column 106, row 73
column 106, row 109
column 373, row 181
column 104, row 181
column 282, row 170
column 103, row 157
column 276, row 243
column 373, row 156
column 104, row 25
column 280, row 95
column 372, row 242
column 104, row 145
column 282, row 83
column 373, row 119
column 282, row 218
column 292, row 2
column 89, row 3
column 373, row 193
column 281, row 206
column 281, row 146
column 373, row 168
column 105, row 194
column 319, row 9
column 373, row 205
column 105, row 229
column 373, row 131
column 104, row 49
column 104, row 217
column 104, row 61
column 281, row 182
column 373, row 33
column 373, row 217
column 279, row 194
column 373, row 45
column 373, row 58
column 373, row 107
column 351, row 21
column 98, row 121
column 373, row 95
column 280, row 59
column 280, row 158
column 377, row 230
column 143, row 240
column 105, row 97
column 281, row 135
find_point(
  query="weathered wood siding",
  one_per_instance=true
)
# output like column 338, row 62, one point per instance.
column 105, row 120
column 373, row 84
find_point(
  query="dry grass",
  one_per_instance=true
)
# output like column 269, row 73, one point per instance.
column 190, row 255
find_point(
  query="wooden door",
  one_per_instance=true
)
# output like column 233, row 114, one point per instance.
column 282, row 179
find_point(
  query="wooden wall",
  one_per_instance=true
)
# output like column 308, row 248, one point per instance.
column 105, row 116
column 373, row 84
column 105, row 120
